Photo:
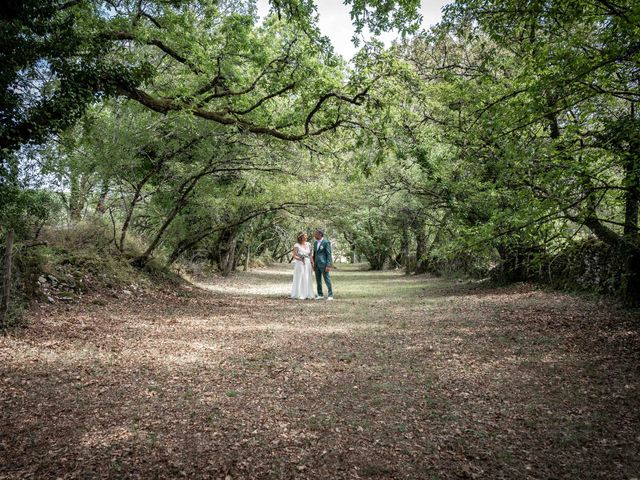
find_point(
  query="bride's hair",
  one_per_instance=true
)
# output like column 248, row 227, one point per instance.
column 300, row 235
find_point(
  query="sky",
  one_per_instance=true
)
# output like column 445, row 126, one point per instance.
column 335, row 22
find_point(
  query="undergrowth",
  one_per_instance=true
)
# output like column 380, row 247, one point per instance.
column 67, row 262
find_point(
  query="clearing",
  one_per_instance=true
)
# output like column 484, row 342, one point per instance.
column 399, row 377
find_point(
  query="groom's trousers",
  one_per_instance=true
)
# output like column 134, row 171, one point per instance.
column 320, row 273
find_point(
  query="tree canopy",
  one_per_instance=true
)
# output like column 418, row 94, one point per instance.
column 503, row 141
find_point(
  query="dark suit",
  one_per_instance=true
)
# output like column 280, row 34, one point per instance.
column 322, row 260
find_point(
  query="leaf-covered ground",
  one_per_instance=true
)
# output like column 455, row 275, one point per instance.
column 400, row 377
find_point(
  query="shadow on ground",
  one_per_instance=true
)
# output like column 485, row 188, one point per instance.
column 400, row 377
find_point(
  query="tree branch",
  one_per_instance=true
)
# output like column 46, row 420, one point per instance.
column 165, row 105
column 124, row 35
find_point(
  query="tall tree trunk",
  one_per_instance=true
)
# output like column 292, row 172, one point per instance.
column 405, row 249
column 227, row 251
column 6, row 278
column 421, row 248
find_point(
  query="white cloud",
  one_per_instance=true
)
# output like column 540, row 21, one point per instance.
column 335, row 22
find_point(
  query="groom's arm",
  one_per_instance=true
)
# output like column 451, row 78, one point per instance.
column 328, row 253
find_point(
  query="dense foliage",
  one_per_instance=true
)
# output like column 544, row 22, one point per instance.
column 499, row 142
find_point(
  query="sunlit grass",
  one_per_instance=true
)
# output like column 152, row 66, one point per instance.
column 350, row 282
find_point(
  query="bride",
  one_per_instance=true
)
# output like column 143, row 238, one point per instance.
column 302, row 287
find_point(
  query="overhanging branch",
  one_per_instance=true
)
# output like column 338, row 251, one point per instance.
column 124, row 35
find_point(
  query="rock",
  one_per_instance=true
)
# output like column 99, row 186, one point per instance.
column 51, row 299
column 127, row 292
column 53, row 280
column 42, row 280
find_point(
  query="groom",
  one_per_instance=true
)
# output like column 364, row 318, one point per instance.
column 322, row 263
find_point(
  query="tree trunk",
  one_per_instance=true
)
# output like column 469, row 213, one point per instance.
column 405, row 249
column 235, row 256
column 101, row 206
column 421, row 248
column 228, row 257
column 247, row 258
column 6, row 278
column 227, row 251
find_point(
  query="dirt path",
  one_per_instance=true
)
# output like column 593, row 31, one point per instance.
column 400, row 377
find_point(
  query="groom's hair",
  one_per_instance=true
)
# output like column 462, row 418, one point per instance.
column 318, row 230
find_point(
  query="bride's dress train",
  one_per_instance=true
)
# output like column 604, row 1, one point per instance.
column 302, row 287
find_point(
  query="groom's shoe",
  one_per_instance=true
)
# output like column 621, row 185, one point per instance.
column 318, row 297
column 329, row 298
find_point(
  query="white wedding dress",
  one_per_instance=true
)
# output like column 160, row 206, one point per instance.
column 302, row 287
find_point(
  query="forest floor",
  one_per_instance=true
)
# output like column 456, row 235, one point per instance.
column 399, row 377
